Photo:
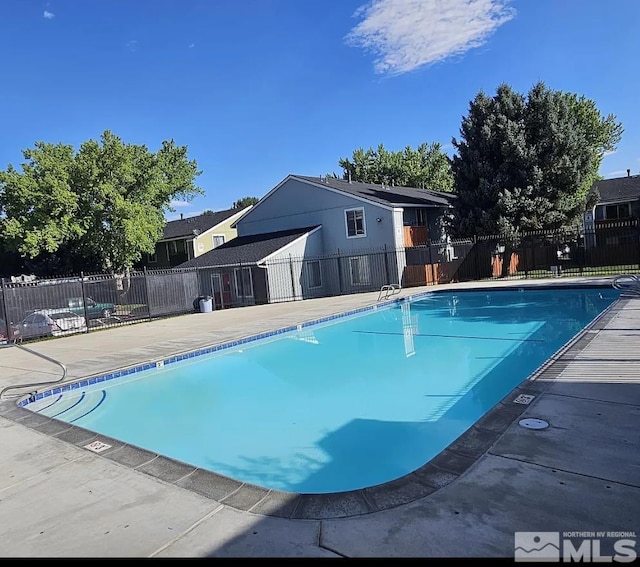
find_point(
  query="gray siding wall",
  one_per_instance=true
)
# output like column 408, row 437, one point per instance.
column 287, row 273
column 296, row 204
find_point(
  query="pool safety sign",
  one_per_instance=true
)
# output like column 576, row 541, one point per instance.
column 596, row 547
column 97, row 446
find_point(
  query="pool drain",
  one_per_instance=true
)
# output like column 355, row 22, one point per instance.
column 534, row 423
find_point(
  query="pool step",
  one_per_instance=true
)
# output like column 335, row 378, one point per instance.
column 70, row 406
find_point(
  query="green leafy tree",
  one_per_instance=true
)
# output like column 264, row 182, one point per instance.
column 244, row 202
column 528, row 162
column 106, row 201
column 426, row 167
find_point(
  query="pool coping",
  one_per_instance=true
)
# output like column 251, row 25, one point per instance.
column 438, row 472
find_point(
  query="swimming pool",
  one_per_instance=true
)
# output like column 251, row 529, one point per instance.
column 340, row 405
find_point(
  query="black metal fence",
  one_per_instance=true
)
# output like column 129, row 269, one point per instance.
column 84, row 303
column 607, row 249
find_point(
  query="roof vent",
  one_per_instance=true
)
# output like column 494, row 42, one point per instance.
column 628, row 173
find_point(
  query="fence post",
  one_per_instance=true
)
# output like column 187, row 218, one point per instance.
column 146, row 290
column 433, row 275
column 579, row 251
column 638, row 240
column 7, row 323
column 338, row 257
column 293, row 278
column 84, row 300
column 476, row 261
column 386, row 264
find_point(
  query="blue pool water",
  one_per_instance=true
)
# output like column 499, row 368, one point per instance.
column 343, row 405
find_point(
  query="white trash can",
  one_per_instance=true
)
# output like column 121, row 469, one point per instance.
column 206, row 305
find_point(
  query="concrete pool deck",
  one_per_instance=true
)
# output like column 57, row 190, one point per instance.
column 57, row 499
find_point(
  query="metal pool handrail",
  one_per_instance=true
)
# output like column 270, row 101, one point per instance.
column 632, row 287
column 34, row 384
column 391, row 289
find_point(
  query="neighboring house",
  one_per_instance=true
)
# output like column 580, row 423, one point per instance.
column 236, row 273
column 191, row 237
column 366, row 225
column 619, row 201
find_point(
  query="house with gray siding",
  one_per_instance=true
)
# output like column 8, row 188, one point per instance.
column 618, row 202
column 256, row 269
column 317, row 236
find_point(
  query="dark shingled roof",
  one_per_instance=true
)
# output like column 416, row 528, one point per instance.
column 201, row 223
column 619, row 189
column 386, row 195
column 246, row 249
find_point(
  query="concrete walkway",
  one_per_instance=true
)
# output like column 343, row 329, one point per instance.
column 58, row 499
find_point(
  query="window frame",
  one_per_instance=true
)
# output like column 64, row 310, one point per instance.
column 214, row 236
column 309, row 274
column 236, row 271
column 363, row 269
column 173, row 245
column 355, row 210
column 617, row 206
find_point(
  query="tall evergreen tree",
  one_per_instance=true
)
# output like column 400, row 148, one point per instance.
column 527, row 162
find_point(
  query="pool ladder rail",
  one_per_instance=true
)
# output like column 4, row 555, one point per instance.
column 33, row 384
column 629, row 284
column 388, row 290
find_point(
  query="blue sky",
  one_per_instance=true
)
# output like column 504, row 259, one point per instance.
column 262, row 88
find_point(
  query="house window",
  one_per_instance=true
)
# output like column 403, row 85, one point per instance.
column 314, row 274
column 217, row 240
column 613, row 212
column 355, row 223
column 152, row 258
column 244, row 282
column 359, row 270
column 620, row 211
column 172, row 248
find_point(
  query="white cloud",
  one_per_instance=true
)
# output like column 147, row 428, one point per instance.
column 132, row 45
column 192, row 45
column 48, row 15
column 404, row 35
column 617, row 173
column 175, row 203
column 610, row 152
